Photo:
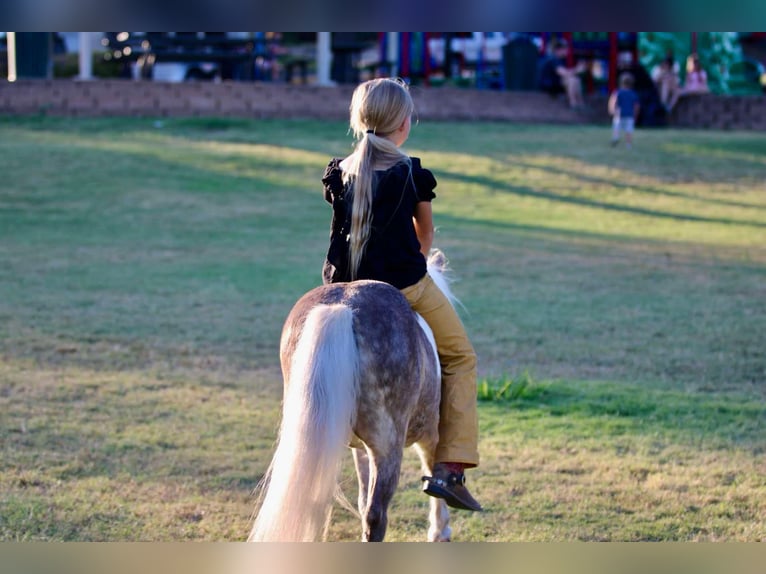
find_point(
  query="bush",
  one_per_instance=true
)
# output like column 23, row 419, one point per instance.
column 68, row 66
column 503, row 388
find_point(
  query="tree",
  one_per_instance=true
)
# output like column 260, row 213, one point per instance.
column 717, row 52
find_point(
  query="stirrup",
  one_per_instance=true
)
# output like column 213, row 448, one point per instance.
column 452, row 491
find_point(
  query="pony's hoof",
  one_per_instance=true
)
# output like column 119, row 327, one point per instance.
column 440, row 538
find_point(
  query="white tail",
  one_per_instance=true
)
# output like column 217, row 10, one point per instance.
column 317, row 416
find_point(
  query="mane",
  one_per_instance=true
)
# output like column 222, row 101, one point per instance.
column 438, row 269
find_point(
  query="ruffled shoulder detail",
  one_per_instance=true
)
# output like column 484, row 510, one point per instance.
column 425, row 182
column 332, row 180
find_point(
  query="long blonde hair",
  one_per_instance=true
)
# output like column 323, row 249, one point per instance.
column 378, row 108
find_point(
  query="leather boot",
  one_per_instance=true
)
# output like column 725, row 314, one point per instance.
column 450, row 485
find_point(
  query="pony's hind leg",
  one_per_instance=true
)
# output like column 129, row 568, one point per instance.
column 438, row 521
column 384, row 476
column 362, row 464
column 438, row 516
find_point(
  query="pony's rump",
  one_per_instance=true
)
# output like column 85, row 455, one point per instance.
column 359, row 370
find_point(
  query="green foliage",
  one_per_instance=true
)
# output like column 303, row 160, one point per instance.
column 503, row 388
column 68, row 66
column 717, row 51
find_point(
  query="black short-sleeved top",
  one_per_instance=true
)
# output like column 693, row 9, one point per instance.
column 393, row 250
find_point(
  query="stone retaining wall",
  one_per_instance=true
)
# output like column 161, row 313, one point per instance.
column 278, row 100
column 721, row 112
column 261, row 100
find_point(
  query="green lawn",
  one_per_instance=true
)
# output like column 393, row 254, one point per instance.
column 146, row 268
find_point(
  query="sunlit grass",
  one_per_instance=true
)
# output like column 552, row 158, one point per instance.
column 146, row 268
column 560, row 193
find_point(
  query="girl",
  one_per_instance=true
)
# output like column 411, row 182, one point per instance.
column 382, row 229
column 696, row 80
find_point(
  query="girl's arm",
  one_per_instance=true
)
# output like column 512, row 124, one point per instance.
column 424, row 226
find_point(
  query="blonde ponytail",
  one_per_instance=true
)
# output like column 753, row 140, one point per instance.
column 378, row 108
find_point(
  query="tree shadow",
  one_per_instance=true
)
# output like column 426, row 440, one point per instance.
column 632, row 187
column 524, row 191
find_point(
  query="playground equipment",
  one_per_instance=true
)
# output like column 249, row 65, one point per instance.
column 478, row 58
column 431, row 58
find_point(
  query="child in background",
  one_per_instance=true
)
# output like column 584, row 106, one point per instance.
column 624, row 107
column 665, row 76
column 696, row 80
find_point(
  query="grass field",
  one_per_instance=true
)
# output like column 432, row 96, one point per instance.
column 146, row 268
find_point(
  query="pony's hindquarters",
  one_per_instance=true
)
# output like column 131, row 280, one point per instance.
column 319, row 407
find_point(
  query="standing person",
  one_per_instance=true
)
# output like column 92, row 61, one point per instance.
column 624, row 107
column 382, row 229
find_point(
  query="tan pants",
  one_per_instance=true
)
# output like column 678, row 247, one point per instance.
column 458, row 421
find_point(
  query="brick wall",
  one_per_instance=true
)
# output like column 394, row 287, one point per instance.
column 259, row 100
column 721, row 112
column 278, row 100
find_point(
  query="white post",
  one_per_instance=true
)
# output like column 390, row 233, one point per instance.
column 393, row 52
column 86, row 56
column 324, row 59
column 11, row 41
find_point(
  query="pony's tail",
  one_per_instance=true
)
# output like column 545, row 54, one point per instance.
column 317, row 417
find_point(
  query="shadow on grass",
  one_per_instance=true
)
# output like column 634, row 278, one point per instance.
column 633, row 187
column 600, row 409
column 523, row 191
column 568, row 240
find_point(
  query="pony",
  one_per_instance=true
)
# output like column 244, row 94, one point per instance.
column 360, row 370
